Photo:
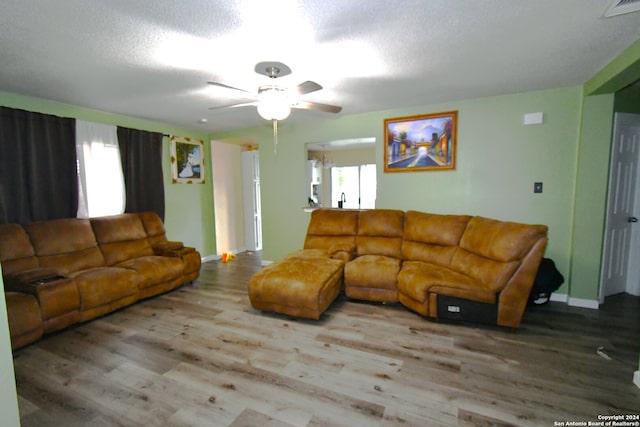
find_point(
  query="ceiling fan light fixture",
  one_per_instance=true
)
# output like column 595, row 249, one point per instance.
column 274, row 104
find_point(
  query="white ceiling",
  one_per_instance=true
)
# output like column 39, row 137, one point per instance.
column 151, row 59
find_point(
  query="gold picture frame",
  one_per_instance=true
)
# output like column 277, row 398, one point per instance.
column 421, row 143
column 187, row 160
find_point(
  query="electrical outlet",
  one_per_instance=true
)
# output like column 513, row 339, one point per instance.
column 537, row 187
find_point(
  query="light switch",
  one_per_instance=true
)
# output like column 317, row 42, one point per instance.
column 537, row 187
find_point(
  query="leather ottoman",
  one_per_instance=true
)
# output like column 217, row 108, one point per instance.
column 298, row 287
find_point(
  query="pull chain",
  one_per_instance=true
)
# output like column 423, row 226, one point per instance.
column 275, row 136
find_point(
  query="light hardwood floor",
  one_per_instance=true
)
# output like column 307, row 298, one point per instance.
column 201, row 356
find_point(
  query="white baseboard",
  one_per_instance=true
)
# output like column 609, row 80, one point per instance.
column 265, row 262
column 636, row 378
column 576, row 302
column 559, row 297
column 584, row 303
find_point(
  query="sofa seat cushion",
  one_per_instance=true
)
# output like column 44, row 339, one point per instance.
column 155, row 269
column 372, row 277
column 298, row 286
column 418, row 279
column 103, row 285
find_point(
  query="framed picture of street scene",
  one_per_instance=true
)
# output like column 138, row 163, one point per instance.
column 420, row 143
column 187, row 162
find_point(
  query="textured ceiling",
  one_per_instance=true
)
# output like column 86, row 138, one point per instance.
column 151, row 59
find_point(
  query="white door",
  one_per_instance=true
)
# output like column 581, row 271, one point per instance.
column 621, row 218
column 252, row 207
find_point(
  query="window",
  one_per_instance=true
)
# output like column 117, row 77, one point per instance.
column 355, row 186
column 100, row 178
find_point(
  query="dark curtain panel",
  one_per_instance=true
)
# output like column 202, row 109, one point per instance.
column 141, row 154
column 38, row 171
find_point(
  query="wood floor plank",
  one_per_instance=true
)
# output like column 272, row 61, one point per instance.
column 202, row 356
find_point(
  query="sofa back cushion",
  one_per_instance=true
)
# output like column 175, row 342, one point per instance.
column 154, row 228
column 333, row 230
column 65, row 245
column 380, row 233
column 432, row 238
column 121, row 237
column 491, row 250
column 16, row 252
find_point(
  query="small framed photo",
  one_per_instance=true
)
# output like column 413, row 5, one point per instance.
column 187, row 160
column 420, row 143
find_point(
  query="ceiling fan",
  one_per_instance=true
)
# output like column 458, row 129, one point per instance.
column 275, row 102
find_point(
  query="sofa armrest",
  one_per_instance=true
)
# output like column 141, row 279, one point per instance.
column 29, row 280
column 342, row 252
column 167, row 248
column 178, row 253
column 57, row 296
column 514, row 297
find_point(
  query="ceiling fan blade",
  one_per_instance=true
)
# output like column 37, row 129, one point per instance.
column 306, row 105
column 231, row 87
column 308, row 87
column 242, row 104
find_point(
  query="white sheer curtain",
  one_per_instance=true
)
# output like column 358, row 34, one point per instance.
column 100, row 178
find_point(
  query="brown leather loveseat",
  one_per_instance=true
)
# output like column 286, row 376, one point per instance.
column 441, row 266
column 60, row 272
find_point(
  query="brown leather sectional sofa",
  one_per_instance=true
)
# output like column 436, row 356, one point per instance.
column 441, row 266
column 60, row 272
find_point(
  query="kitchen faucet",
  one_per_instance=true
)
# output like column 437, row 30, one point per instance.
column 342, row 201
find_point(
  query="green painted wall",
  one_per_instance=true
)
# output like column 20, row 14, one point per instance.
column 188, row 207
column 591, row 195
column 618, row 74
column 498, row 161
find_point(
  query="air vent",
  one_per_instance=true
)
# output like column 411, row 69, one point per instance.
column 618, row 7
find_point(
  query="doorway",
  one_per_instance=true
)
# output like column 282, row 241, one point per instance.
column 342, row 166
column 620, row 270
